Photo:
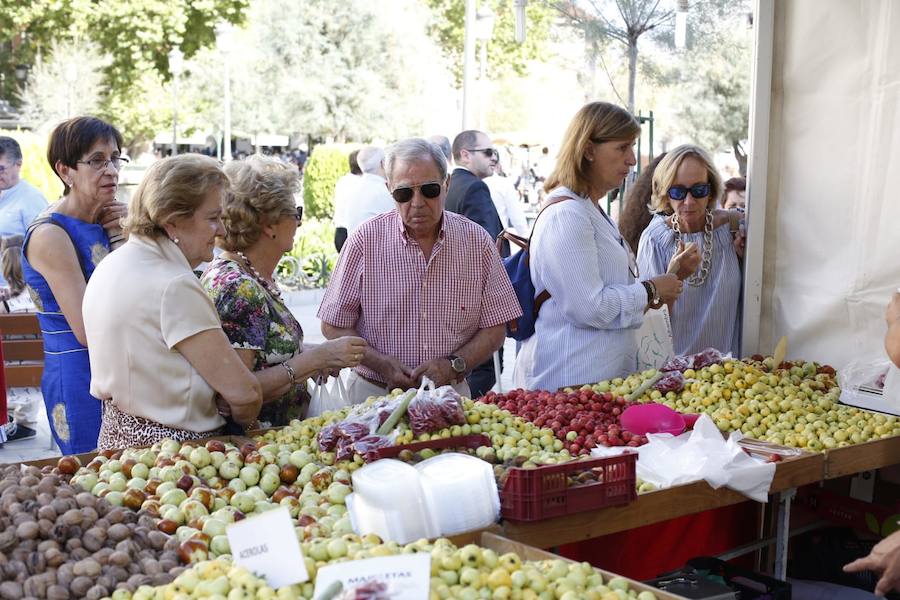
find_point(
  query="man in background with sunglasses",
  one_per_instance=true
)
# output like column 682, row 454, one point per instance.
column 424, row 287
column 469, row 195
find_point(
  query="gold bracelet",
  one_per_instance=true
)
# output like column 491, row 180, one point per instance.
column 290, row 372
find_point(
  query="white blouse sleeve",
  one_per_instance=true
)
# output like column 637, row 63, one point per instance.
column 572, row 268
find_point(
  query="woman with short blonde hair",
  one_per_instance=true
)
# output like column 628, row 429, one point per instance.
column 160, row 362
column 586, row 329
column 686, row 188
column 261, row 219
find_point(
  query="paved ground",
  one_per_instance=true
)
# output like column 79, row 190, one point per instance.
column 303, row 304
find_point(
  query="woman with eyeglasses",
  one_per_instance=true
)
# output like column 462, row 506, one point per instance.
column 686, row 187
column 62, row 248
column 260, row 221
column 582, row 269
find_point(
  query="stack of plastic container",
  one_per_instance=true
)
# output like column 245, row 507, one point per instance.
column 444, row 495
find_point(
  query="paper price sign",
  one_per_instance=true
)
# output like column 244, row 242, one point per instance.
column 404, row 577
column 267, row 545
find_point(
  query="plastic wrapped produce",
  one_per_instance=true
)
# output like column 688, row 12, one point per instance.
column 671, row 381
column 435, row 409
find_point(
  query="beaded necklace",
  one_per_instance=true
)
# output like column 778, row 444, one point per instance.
column 272, row 288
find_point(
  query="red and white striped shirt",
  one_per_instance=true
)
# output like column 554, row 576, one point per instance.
column 416, row 309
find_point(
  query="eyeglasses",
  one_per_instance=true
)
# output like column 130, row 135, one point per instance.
column 489, row 152
column 298, row 215
column 680, row 192
column 3, row 168
column 430, row 190
column 99, row 164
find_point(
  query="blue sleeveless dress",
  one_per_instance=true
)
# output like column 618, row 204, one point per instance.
column 74, row 414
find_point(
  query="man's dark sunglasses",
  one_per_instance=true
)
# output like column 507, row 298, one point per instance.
column 405, row 194
column 489, row 152
column 698, row 190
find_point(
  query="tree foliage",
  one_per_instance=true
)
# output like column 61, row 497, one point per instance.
column 448, row 29
column 325, row 166
column 331, row 70
column 134, row 38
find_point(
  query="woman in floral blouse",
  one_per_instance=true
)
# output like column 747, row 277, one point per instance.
column 260, row 220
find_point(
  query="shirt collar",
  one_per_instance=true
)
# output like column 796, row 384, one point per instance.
column 404, row 235
column 374, row 177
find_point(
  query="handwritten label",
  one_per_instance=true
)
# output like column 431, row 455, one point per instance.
column 267, row 545
column 404, row 577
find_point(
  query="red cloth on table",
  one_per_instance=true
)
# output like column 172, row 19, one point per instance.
column 648, row 551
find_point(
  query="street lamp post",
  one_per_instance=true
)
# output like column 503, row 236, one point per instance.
column 223, row 43
column 176, row 64
column 484, row 30
column 681, row 12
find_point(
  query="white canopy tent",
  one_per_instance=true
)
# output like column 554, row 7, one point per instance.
column 823, row 248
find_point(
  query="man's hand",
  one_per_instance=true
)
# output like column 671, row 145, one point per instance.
column 397, row 375
column 885, row 560
column 438, row 370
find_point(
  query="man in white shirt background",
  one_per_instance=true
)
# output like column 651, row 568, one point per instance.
column 372, row 196
column 506, row 199
column 20, row 203
column 344, row 195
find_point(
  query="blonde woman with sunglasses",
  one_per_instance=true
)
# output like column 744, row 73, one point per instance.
column 686, row 189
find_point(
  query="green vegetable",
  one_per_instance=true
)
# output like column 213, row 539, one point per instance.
column 398, row 413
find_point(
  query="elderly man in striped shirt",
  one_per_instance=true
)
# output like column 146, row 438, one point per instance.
column 424, row 287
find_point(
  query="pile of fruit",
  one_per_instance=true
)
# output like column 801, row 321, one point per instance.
column 581, row 419
column 793, row 404
column 467, row 572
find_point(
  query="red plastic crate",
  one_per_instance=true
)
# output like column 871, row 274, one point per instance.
column 461, row 441
column 544, row 493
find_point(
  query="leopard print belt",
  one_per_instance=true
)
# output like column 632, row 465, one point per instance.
column 121, row 430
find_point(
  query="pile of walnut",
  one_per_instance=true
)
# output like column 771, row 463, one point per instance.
column 59, row 542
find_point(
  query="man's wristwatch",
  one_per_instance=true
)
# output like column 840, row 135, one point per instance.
column 457, row 363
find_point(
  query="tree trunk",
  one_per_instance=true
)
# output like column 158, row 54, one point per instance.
column 632, row 71
column 741, row 157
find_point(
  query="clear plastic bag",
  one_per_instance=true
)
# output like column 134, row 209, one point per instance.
column 325, row 398
column 433, row 409
column 356, row 434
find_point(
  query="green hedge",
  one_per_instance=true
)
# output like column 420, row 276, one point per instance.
column 326, row 164
column 35, row 168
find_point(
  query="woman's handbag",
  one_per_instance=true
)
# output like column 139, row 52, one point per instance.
column 654, row 340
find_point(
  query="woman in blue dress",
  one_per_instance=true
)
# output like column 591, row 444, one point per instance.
column 62, row 248
column 686, row 187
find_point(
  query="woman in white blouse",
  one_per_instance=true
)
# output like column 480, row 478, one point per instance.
column 159, row 358
column 586, row 329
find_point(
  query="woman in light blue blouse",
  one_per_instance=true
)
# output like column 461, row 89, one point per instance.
column 686, row 187
column 586, row 329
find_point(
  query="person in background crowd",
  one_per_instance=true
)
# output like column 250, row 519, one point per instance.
column 469, row 196
column 260, row 221
column 23, row 420
column 636, row 213
column 686, row 186
column 423, row 286
column 586, row 328
column 372, row 197
column 20, row 202
column 734, row 197
column 158, row 353
column 506, row 199
column 62, row 248
column 443, row 142
column 344, row 197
